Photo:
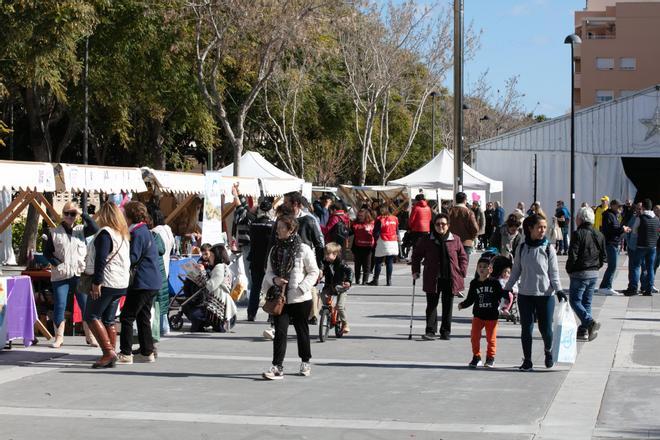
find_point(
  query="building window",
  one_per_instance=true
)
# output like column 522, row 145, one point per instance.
column 604, row 95
column 605, row 63
column 625, row 93
column 628, row 63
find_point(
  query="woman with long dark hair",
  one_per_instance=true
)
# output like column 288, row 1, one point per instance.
column 291, row 267
column 536, row 267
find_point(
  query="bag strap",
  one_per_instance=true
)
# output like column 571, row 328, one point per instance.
column 116, row 252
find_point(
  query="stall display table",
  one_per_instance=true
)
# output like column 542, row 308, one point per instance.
column 176, row 270
column 21, row 311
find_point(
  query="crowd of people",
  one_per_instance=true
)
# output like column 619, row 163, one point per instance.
column 300, row 250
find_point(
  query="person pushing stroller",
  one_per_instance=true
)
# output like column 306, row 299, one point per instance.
column 336, row 274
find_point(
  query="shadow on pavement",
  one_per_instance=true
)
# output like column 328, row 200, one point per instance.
column 252, row 377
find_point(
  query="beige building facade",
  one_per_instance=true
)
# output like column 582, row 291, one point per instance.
column 620, row 50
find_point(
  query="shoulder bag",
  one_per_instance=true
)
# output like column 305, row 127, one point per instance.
column 85, row 281
column 275, row 300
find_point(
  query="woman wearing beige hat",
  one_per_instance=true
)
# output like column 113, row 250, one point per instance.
column 65, row 249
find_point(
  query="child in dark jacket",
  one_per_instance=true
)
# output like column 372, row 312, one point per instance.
column 338, row 278
column 485, row 293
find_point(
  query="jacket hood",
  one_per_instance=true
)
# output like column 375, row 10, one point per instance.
column 422, row 203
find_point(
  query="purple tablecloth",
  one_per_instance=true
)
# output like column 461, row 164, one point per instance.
column 21, row 310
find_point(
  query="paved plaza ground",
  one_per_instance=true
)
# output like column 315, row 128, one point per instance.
column 371, row 384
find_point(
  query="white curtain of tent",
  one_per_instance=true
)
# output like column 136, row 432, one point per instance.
column 6, row 250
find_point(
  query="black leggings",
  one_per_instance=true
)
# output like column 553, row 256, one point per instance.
column 542, row 308
column 362, row 257
column 299, row 314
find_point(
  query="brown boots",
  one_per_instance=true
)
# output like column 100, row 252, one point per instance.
column 106, row 338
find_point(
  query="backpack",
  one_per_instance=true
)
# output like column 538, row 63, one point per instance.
column 340, row 233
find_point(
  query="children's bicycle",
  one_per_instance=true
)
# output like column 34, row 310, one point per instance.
column 329, row 316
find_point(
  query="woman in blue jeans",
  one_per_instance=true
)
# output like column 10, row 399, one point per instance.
column 65, row 249
column 586, row 255
column 536, row 267
column 108, row 261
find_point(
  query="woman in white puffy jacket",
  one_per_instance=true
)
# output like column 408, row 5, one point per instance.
column 292, row 267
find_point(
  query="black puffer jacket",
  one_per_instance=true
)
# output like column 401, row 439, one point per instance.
column 587, row 250
column 611, row 228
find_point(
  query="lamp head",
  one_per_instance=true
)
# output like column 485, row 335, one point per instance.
column 573, row 39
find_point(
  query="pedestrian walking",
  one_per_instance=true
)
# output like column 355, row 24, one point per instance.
column 108, row 262
column 490, row 225
column 386, row 234
column 646, row 228
column 481, row 222
column 164, row 240
column 463, row 223
column 445, row 267
column 363, row 245
column 563, row 216
column 65, row 249
column 261, row 231
column 586, row 255
column 292, row 268
column 536, row 267
column 598, row 212
column 143, row 288
column 419, row 223
column 612, row 231
column 498, row 214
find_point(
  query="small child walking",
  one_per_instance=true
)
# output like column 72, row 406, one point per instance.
column 336, row 274
column 485, row 293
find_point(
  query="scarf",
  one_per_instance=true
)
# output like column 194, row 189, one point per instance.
column 284, row 254
column 444, row 270
column 535, row 243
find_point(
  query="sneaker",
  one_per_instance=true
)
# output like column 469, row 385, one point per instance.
column 630, row 292
column 428, row 337
column 305, row 369
column 608, row 292
column 654, row 290
column 592, row 330
column 274, row 373
column 490, row 362
column 142, row 359
column 373, row 282
column 582, row 334
column 549, row 361
column 647, row 293
column 475, row 362
column 126, row 359
column 445, row 336
column 269, row 334
column 345, row 328
column 526, row 365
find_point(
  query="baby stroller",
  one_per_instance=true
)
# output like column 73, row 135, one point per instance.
column 512, row 314
column 197, row 298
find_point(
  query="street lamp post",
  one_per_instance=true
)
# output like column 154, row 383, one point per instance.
column 573, row 40
column 458, row 95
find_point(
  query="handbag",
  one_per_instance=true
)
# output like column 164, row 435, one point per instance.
column 275, row 300
column 86, row 280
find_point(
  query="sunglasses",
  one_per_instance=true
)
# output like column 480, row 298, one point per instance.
column 70, row 213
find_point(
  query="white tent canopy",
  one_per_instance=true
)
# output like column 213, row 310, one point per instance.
column 438, row 173
column 26, row 176
column 604, row 134
column 92, row 178
column 274, row 181
column 174, row 182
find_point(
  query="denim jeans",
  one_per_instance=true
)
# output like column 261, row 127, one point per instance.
column 564, row 241
column 581, row 294
column 389, row 266
column 531, row 307
column 642, row 260
column 104, row 308
column 61, row 291
column 612, row 251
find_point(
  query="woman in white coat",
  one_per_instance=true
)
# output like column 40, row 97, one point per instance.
column 292, row 267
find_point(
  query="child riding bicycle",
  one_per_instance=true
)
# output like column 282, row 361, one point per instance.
column 338, row 278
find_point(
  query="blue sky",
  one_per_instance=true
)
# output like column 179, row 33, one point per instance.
column 525, row 38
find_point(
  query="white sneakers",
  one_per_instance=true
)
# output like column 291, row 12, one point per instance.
column 269, row 334
column 274, row 373
column 277, row 373
column 125, row 359
column 609, row 292
column 140, row 358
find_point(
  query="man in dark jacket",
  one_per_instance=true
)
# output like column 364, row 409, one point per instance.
column 308, row 228
column 261, row 230
column 498, row 215
column 643, row 257
column 612, row 230
column 586, row 255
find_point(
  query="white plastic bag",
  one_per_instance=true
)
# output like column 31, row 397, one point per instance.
column 240, row 284
column 564, row 346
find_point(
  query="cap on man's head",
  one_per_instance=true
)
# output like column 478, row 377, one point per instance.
column 605, row 199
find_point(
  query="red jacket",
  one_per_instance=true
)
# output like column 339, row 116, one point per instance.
column 389, row 226
column 364, row 234
column 427, row 251
column 335, row 218
column 420, row 217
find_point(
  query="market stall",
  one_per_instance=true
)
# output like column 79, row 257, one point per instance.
column 394, row 197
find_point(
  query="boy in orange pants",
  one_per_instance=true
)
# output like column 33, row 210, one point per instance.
column 485, row 293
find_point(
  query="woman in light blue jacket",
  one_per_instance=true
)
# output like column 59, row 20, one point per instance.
column 536, row 267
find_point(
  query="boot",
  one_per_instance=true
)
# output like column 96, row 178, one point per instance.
column 373, row 282
column 112, row 335
column 389, row 281
column 109, row 356
column 59, row 336
column 89, row 337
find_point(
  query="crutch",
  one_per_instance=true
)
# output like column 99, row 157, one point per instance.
column 412, row 310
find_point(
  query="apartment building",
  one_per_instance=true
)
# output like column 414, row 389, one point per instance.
column 620, row 50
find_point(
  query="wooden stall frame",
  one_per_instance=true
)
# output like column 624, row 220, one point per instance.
column 22, row 201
